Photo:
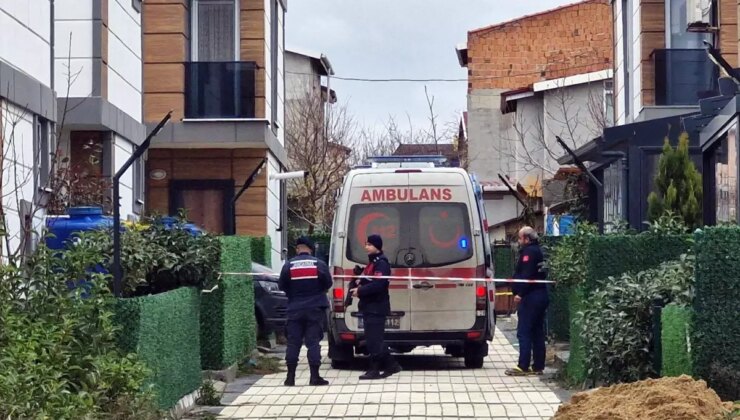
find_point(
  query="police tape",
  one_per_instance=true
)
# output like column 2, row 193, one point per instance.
column 414, row 278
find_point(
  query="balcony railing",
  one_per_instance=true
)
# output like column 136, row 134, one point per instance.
column 683, row 76
column 220, row 89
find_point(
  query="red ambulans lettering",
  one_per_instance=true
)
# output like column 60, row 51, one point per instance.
column 406, row 194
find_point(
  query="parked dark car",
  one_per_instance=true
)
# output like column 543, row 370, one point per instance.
column 270, row 302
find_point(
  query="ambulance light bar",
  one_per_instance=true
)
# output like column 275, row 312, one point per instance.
column 408, row 161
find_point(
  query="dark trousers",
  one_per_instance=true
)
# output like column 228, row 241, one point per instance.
column 374, row 331
column 305, row 326
column 531, row 330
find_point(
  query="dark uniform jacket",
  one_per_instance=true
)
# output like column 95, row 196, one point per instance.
column 529, row 267
column 305, row 280
column 373, row 292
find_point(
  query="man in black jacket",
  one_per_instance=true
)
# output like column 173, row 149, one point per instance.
column 305, row 280
column 532, row 299
column 375, row 306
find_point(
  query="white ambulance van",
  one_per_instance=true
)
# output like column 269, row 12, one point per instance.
column 433, row 224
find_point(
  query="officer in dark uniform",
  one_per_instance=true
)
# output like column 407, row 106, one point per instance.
column 532, row 299
column 305, row 280
column 375, row 306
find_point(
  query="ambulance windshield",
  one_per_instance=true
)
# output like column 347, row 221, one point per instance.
column 414, row 234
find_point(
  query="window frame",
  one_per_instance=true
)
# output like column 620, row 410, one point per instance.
column 194, row 27
column 43, row 146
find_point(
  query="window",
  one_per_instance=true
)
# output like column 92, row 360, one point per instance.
column 136, row 4
column 215, row 30
column 274, row 50
column 627, row 53
column 677, row 37
column 43, row 150
column 613, row 195
column 725, row 173
column 608, row 103
column 414, row 234
column 139, row 187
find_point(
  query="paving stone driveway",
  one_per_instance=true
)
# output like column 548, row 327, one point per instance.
column 432, row 386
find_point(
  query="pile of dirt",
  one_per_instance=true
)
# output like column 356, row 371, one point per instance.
column 681, row 398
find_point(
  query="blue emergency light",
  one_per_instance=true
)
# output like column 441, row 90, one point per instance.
column 464, row 243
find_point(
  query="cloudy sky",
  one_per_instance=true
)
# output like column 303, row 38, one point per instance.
column 379, row 39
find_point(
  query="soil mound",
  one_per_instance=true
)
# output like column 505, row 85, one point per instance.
column 681, row 398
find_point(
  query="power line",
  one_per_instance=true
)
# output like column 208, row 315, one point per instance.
column 442, row 79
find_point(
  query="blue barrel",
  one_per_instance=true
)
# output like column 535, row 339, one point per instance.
column 169, row 222
column 80, row 219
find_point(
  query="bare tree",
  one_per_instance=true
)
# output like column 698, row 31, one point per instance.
column 24, row 194
column 324, row 146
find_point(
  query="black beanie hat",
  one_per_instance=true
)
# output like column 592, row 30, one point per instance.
column 376, row 241
column 305, row 240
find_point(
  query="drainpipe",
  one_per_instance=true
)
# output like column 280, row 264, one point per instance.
column 329, row 73
column 625, row 180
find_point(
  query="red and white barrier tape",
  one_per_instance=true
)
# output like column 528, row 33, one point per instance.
column 413, row 278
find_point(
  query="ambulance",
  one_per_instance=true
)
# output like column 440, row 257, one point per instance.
column 434, row 229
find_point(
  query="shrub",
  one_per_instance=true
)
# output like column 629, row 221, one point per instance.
column 566, row 261
column 156, row 258
column 675, row 336
column 617, row 320
column 58, row 348
column 262, row 250
column 716, row 333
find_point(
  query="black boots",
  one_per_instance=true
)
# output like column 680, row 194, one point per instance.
column 316, row 379
column 290, row 380
column 373, row 371
column 391, row 366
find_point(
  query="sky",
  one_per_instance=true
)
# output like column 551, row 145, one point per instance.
column 380, row 39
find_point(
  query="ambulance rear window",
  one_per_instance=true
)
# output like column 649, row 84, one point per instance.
column 414, row 234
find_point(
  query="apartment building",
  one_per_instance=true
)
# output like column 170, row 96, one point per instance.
column 70, row 95
column 218, row 64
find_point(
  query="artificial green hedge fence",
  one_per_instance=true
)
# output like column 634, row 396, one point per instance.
column 716, row 332
column 675, row 323
column 558, row 312
column 503, row 261
column 262, row 250
column 163, row 330
column 576, row 370
column 614, row 255
column 228, row 325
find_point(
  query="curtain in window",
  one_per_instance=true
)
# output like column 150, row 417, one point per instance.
column 216, row 30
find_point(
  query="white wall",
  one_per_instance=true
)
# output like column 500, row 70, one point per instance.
column 124, row 57
column 75, row 18
column 281, row 76
column 25, row 37
column 122, row 150
column 274, row 210
column 18, row 181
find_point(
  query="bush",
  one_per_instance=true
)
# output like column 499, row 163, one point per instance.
column 675, row 336
column 503, row 262
column 164, row 330
column 617, row 323
column 228, row 324
column 566, row 262
column 58, row 349
column 576, row 370
column 156, row 258
column 716, row 333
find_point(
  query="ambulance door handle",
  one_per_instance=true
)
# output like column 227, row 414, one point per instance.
column 424, row 285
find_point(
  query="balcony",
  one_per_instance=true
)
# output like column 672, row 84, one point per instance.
column 220, row 90
column 683, row 76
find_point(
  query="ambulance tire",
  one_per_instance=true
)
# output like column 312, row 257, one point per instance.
column 341, row 355
column 475, row 354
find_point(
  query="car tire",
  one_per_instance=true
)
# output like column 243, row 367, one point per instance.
column 475, row 354
column 341, row 355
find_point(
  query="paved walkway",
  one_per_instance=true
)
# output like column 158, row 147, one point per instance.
column 432, row 386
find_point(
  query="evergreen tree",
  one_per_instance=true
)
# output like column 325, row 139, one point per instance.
column 678, row 187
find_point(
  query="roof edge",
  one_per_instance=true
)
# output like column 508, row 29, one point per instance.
column 525, row 17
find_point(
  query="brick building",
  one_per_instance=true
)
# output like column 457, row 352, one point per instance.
column 529, row 80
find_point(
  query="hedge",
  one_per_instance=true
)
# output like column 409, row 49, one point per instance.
column 576, row 370
column 262, row 250
column 163, row 330
column 716, row 332
column 558, row 313
column 675, row 329
column 613, row 255
column 503, row 261
column 228, row 325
